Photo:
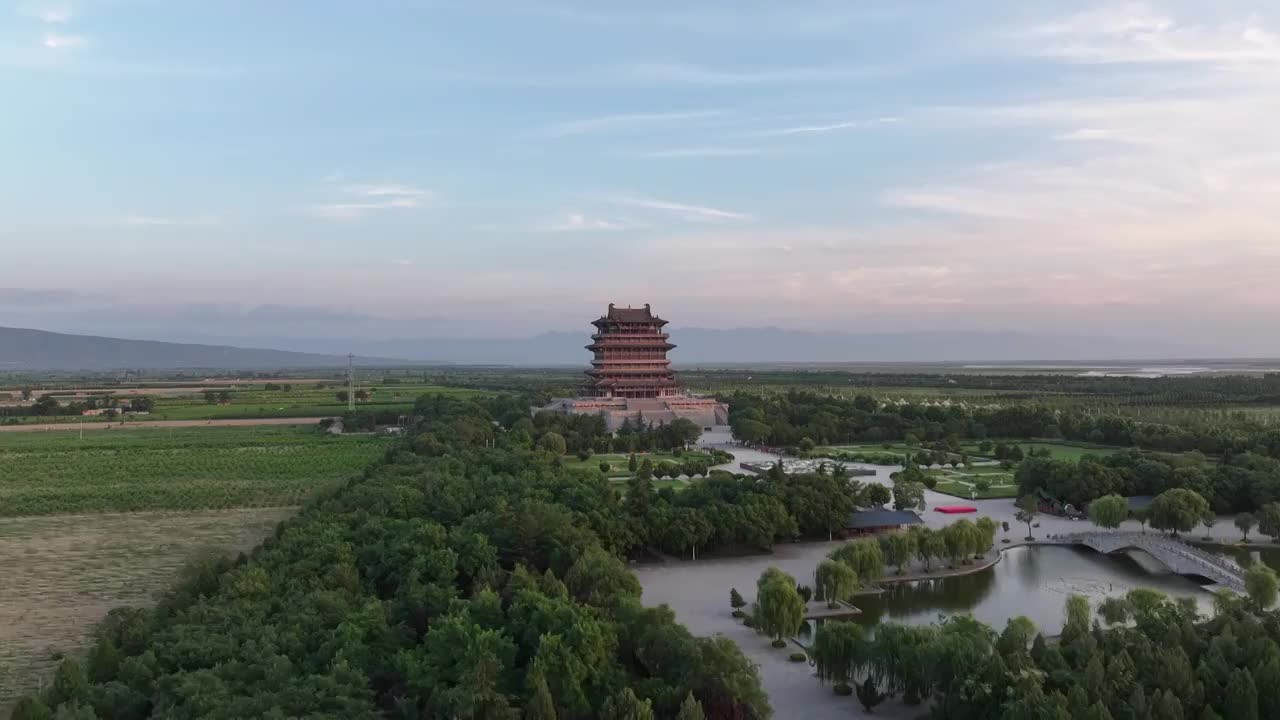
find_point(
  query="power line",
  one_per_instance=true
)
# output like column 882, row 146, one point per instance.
column 351, row 383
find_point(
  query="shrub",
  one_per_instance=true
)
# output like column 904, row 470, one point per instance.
column 739, row 614
column 748, row 621
column 604, row 467
column 798, row 657
column 779, row 643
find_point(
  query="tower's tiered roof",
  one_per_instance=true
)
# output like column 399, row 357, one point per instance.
column 630, row 355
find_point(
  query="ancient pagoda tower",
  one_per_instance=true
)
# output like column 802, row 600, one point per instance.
column 630, row 361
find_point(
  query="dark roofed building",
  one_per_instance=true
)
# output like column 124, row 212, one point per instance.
column 866, row 522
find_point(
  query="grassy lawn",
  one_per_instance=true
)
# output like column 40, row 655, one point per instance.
column 960, row 482
column 1059, row 451
column 984, row 470
column 618, row 462
column 962, row 490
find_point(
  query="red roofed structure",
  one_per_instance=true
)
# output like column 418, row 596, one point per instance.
column 631, row 380
column 630, row 349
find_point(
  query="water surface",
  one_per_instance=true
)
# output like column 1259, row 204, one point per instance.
column 1033, row 581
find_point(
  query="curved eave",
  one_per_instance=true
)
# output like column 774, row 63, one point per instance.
column 632, row 346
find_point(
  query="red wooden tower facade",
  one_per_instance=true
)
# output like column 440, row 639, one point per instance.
column 630, row 360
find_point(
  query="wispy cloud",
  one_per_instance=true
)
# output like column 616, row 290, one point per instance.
column 146, row 221
column 664, row 73
column 828, row 127
column 1139, row 33
column 697, row 152
column 372, row 198
column 626, row 122
column 353, row 211
column 734, row 19
column 57, row 41
column 576, row 221
column 698, row 213
column 389, row 190
column 48, row 13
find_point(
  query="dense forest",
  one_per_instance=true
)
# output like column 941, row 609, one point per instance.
column 465, row 578
column 787, row 420
column 1181, row 391
column 1172, row 390
column 1158, row 660
column 1233, row 483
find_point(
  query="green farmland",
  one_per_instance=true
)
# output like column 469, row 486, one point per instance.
column 177, row 469
column 251, row 401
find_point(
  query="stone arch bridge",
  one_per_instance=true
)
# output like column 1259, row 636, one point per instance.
column 1176, row 555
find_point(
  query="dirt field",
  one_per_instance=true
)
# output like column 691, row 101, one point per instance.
column 62, row 574
column 144, row 424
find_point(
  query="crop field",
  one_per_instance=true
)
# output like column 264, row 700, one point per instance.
column 253, row 401
column 299, row 400
column 62, row 575
column 177, row 469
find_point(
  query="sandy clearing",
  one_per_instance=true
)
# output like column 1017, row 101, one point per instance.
column 143, row 424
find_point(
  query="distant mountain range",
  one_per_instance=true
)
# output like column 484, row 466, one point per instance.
column 36, row 349
column 22, row 349
column 702, row 346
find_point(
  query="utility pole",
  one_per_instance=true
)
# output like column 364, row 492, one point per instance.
column 351, row 383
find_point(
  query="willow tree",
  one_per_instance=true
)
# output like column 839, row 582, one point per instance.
column 1109, row 511
column 835, row 580
column 780, row 609
column 986, row 535
column 840, row 650
column 863, row 557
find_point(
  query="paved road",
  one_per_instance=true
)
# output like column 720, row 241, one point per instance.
column 152, row 424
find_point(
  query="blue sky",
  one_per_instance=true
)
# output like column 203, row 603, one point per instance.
column 378, row 169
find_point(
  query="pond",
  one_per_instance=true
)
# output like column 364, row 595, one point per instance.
column 1033, row 581
column 1246, row 556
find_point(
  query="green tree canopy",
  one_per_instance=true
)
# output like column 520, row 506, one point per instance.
column 863, row 556
column 780, row 609
column 1262, row 585
column 1178, row 510
column 1109, row 511
column 553, row 443
column 835, row 581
